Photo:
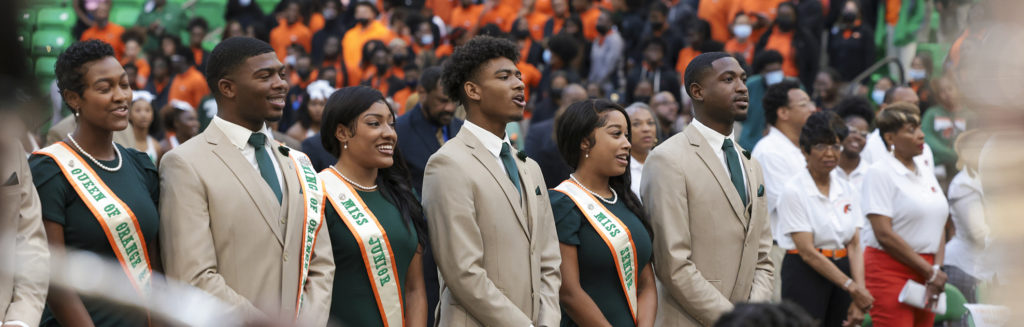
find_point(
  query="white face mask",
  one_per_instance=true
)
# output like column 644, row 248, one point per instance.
column 244, row 3
column 427, row 39
column 330, row 13
column 878, row 96
column 547, row 57
column 742, row 31
column 916, row 74
column 289, row 60
column 774, row 77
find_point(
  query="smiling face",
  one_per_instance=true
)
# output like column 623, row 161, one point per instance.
column 854, row 142
column 499, row 88
column 259, row 88
column 106, row 97
column 643, row 129
column 609, row 152
column 722, row 92
column 372, row 138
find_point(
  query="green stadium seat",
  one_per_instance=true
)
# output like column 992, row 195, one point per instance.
column 57, row 18
column 49, row 3
column 955, row 308
column 50, row 42
column 25, row 38
column 45, row 68
column 125, row 15
column 212, row 12
column 130, row 3
column 267, row 5
column 27, row 18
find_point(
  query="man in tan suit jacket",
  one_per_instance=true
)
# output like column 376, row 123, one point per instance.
column 712, row 238
column 223, row 228
column 491, row 227
column 24, row 255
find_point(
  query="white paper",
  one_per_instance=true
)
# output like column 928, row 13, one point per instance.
column 913, row 294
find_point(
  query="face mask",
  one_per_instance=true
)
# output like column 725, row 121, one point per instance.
column 411, row 83
column 289, row 60
column 362, row 21
column 427, row 39
column 742, row 31
column 774, row 77
column 644, row 99
column 916, row 74
column 786, row 24
column 556, row 93
column 520, row 34
column 656, row 26
column 382, row 67
column 330, row 14
column 603, row 29
column 849, row 17
column 303, row 73
column 244, row 3
column 546, row 57
column 400, row 59
column 878, row 96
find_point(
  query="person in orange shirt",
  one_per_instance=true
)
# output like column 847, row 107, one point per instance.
column 535, row 20
column 762, row 11
column 531, row 76
column 718, row 14
column 499, row 13
column 457, row 37
column 345, row 75
column 799, row 48
column 292, row 31
column 741, row 42
column 529, row 50
column 188, row 85
column 588, row 14
column 105, row 31
column 466, row 15
column 700, row 42
column 404, row 91
column 303, row 74
column 554, row 25
column 441, row 8
column 197, row 29
column 381, row 74
column 367, row 28
column 133, row 41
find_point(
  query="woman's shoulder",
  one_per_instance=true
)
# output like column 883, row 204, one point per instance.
column 43, row 167
column 138, row 158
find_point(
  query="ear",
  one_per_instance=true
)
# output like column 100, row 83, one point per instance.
column 227, row 88
column 697, row 91
column 783, row 112
column 342, row 133
column 889, row 137
column 472, row 91
column 74, row 101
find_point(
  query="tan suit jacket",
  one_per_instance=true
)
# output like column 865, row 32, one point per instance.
column 498, row 257
column 223, row 231
column 24, row 255
column 709, row 250
column 57, row 132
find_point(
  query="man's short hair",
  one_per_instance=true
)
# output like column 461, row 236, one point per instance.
column 698, row 67
column 777, row 96
column 564, row 46
column 890, row 94
column 465, row 61
column 228, row 55
column 764, row 58
column 429, row 78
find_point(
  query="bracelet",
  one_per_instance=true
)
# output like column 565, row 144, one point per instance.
column 848, row 283
column 935, row 273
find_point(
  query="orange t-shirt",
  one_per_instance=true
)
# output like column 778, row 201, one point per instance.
column 543, row 7
column 746, row 49
column 444, row 51
column 685, row 56
column 285, row 35
column 717, row 13
column 356, row 37
column 143, row 71
column 536, row 21
column 316, row 22
column 197, row 53
column 111, row 34
column 380, row 83
column 531, row 76
column 466, row 17
column 556, row 27
column 783, row 43
column 589, row 19
column 502, row 15
column 354, row 75
column 524, row 50
column 442, row 9
column 892, row 11
column 296, row 80
column 753, row 7
column 401, row 97
column 190, row 87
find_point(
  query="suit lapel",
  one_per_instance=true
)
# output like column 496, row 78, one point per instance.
column 711, row 160
column 527, row 188
column 487, row 159
column 260, row 194
column 292, row 193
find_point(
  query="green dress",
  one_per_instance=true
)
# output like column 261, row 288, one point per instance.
column 353, row 302
column 136, row 183
column 598, row 274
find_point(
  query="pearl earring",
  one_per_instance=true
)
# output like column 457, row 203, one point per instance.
column 587, row 155
column 345, row 146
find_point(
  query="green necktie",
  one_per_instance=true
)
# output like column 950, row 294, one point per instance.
column 259, row 141
column 510, row 165
column 735, row 170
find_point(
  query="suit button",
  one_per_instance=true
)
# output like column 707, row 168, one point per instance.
column 284, row 221
column 285, row 257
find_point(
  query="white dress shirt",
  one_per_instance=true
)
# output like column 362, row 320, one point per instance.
column 832, row 220
column 780, row 160
column 491, row 142
column 239, row 137
column 715, row 140
column 875, row 150
column 636, row 169
column 967, row 249
column 913, row 200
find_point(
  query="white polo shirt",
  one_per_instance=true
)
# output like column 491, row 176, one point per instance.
column 780, row 160
column 833, row 220
column 914, row 201
column 854, row 178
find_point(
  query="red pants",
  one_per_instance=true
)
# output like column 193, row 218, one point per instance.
column 885, row 278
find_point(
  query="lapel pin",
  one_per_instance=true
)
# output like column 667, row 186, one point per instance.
column 521, row 155
column 537, row 190
column 746, row 154
column 760, row 190
column 283, row 149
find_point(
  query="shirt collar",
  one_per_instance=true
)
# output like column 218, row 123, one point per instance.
column 781, row 138
column 491, row 142
column 898, row 166
column 835, row 190
column 714, row 138
column 238, row 135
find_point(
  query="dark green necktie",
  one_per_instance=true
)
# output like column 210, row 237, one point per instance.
column 735, row 170
column 510, row 165
column 259, row 141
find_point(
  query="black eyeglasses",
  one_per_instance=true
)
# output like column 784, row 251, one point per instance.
column 823, row 147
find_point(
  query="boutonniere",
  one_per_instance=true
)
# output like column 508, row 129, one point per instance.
column 521, row 155
column 283, row 149
column 746, row 154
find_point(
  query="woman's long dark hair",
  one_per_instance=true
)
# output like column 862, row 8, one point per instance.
column 574, row 127
column 342, row 109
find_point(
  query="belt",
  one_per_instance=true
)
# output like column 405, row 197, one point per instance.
column 834, row 254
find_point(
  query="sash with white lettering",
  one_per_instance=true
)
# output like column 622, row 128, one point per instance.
column 116, row 218
column 378, row 257
column 615, row 234
column 312, row 200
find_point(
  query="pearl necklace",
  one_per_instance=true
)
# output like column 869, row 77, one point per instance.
column 97, row 162
column 615, row 196
column 371, row 188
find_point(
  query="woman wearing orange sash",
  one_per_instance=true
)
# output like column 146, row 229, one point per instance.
column 607, row 278
column 87, row 174
column 374, row 218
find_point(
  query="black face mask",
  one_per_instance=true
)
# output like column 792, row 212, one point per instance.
column 603, row 29
column 303, row 73
column 657, row 26
column 411, row 83
column 848, row 17
column 644, row 99
column 400, row 59
column 520, row 34
column 786, row 24
column 362, row 21
column 382, row 68
column 555, row 93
